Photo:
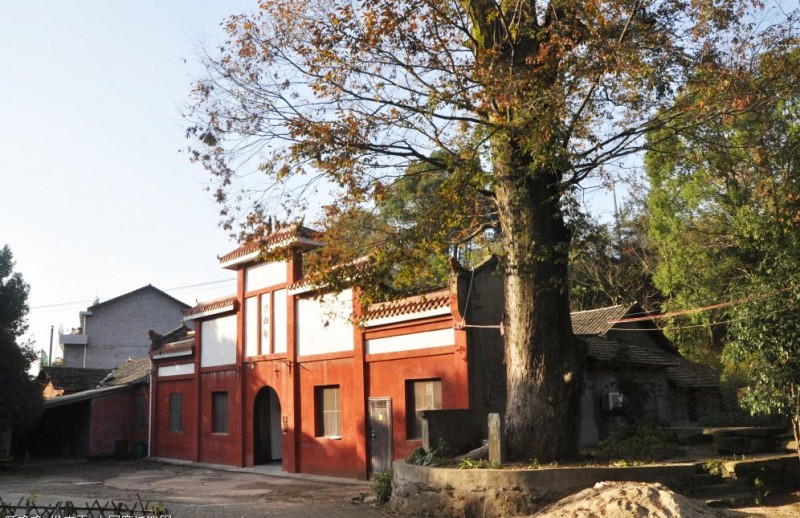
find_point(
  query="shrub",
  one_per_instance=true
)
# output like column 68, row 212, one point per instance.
column 644, row 443
column 383, row 486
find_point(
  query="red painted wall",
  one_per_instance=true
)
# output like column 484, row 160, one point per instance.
column 220, row 448
column 388, row 377
column 322, row 455
column 175, row 445
column 276, row 374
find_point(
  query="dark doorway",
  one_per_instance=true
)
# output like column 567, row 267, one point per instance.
column 380, row 432
column 266, row 427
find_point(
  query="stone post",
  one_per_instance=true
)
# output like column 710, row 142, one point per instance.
column 495, row 440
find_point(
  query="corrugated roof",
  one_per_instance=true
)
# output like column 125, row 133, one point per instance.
column 83, row 395
column 595, row 321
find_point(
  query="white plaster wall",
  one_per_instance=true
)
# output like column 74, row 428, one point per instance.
column 251, row 326
column 324, row 326
column 218, row 341
column 280, row 317
column 264, row 275
column 176, row 370
column 425, row 339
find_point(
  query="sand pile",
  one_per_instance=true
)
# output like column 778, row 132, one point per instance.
column 629, row 499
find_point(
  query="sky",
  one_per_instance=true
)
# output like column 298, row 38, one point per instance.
column 96, row 198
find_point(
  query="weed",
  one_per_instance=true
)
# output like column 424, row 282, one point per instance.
column 472, row 464
column 383, row 486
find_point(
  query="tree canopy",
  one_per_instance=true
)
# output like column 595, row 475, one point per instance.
column 516, row 102
column 725, row 204
column 21, row 396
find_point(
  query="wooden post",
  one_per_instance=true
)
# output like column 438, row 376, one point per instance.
column 495, row 440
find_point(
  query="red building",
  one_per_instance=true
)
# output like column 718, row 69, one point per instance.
column 280, row 372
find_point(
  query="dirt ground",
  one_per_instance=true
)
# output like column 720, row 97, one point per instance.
column 192, row 490
column 202, row 491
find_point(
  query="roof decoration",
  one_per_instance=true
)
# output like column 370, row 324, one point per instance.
column 308, row 284
column 173, row 349
column 283, row 236
column 419, row 306
column 210, row 308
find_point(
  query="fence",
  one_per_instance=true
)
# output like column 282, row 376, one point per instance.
column 28, row 508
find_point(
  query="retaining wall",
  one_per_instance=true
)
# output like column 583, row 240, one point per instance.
column 423, row 491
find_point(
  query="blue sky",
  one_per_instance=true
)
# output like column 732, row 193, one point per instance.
column 96, row 200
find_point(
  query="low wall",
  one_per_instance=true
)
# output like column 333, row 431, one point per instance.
column 423, row 491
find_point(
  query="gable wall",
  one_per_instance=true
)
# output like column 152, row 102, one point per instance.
column 118, row 331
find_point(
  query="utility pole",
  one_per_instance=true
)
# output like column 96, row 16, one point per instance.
column 50, row 358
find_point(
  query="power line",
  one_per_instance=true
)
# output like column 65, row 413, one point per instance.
column 709, row 307
column 66, row 305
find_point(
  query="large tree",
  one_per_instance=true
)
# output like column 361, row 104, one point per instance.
column 725, row 204
column 523, row 100
column 21, row 396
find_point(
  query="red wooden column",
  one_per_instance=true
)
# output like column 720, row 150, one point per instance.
column 243, row 373
column 360, row 388
column 460, row 356
column 291, row 407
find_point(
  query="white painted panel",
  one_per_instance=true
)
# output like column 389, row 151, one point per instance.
column 251, row 326
column 324, row 326
column 176, row 370
column 264, row 275
column 218, row 341
column 280, row 320
column 266, row 319
column 409, row 342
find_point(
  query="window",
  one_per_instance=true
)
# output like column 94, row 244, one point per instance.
column 328, row 412
column 176, row 412
column 139, row 412
column 219, row 412
column 421, row 395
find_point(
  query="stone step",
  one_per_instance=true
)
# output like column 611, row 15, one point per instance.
column 731, row 499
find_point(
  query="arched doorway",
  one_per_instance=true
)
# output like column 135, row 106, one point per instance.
column 266, row 427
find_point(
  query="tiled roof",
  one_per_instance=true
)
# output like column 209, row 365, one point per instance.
column 211, row 307
column 410, row 305
column 688, row 374
column 131, row 371
column 74, row 379
column 308, row 284
column 175, row 348
column 283, row 237
column 595, row 321
column 603, row 349
column 149, row 287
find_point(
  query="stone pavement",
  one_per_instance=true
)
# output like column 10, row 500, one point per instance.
column 189, row 490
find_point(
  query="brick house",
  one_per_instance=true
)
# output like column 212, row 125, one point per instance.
column 112, row 331
column 279, row 372
column 110, row 418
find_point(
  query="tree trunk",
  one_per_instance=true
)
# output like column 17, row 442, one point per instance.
column 544, row 361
